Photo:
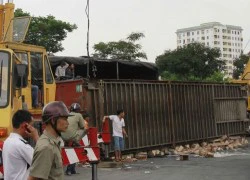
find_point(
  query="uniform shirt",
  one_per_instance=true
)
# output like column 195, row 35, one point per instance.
column 76, row 122
column 117, row 124
column 47, row 160
column 60, row 71
column 17, row 157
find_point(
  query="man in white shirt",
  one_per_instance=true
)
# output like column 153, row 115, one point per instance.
column 118, row 125
column 60, row 70
column 17, row 153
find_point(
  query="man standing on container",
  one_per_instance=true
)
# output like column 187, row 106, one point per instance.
column 119, row 132
column 61, row 70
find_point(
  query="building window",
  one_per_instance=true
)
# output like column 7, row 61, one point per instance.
column 192, row 33
column 207, row 37
column 198, row 32
column 203, row 38
column 184, row 41
column 207, row 43
column 188, row 33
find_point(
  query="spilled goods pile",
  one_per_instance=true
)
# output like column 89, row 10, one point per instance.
column 204, row 149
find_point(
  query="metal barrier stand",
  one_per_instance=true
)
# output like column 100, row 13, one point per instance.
column 94, row 145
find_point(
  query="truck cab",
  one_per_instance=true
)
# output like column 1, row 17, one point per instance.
column 22, row 66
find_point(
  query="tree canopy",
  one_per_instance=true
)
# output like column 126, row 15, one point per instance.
column 239, row 64
column 191, row 62
column 123, row 49
column 46, row 31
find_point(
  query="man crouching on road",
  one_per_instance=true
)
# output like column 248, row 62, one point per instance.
column 47, row 161
column 118, row 125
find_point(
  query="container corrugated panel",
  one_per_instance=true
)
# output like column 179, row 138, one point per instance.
column 161, row 113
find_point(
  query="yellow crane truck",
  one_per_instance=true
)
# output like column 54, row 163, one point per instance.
column 21, row 67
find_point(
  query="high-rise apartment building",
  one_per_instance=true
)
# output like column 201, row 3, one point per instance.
column 227, row 38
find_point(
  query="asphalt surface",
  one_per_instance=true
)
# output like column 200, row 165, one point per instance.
column 226, row 166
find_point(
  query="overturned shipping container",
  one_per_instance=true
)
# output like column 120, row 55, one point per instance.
column 163, row 112
column 157, row 112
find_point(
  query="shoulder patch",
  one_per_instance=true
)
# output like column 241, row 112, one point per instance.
column 25, row 142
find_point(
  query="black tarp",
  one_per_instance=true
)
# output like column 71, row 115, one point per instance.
column 108, row 68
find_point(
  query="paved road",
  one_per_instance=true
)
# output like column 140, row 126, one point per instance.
column 230, row 166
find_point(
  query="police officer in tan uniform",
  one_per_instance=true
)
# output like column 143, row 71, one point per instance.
column 76, row 129
column 75, row 132
column 47, row 161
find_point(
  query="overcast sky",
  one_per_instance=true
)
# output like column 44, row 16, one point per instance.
column 112, row 20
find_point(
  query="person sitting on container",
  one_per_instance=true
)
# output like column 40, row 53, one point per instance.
column 70, row 71
column 60, row 70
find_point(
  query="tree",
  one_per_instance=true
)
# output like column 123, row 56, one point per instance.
column 122, row 49
column 191, row 62
column 46, row 31
column 239, row 64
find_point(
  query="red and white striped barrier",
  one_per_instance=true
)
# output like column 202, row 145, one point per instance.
column 85, row 140
column 89, row 151
column 80, row 154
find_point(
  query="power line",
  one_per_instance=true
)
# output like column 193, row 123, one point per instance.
column 246, row 45
column 87, row 14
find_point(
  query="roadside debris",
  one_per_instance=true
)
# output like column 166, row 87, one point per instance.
column 207, row 149
column 182, row 152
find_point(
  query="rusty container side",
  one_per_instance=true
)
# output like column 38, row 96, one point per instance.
column 70, row 91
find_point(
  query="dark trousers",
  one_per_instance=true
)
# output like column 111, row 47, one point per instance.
column 71, row 168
